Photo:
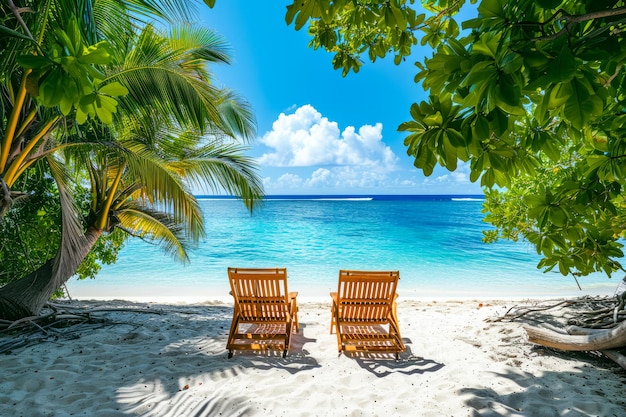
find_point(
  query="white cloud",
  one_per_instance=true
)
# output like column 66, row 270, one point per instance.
column 453, row 177
column 285, row 181
column 308, row 154
column 321, row 177
column 305, row 139
column 343, row 179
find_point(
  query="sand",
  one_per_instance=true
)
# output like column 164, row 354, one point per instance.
column 170, row 360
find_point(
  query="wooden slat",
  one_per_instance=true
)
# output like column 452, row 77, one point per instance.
column 365, row 299
column 261, row 297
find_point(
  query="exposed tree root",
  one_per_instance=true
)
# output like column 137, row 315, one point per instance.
column 57, row 322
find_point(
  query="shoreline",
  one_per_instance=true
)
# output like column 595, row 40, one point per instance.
column 193, row 294
column 165, row 360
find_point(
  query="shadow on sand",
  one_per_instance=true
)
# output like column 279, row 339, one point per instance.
column 383, row 364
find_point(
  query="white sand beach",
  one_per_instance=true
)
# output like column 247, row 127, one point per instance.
column 170, row 360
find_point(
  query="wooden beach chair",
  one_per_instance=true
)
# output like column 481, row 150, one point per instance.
column 265, row 313
column 364, row 312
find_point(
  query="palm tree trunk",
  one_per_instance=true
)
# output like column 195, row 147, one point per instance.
column 27, row 296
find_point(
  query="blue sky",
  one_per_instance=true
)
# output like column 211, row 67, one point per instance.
column 318, row 132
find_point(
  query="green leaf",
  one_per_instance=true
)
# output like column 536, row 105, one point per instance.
column 487, row 45
column 81, row 116
column 52, row 88
column 107, row 103
column 114, row 89
column 389, row 18
column 558, row 95
column 400, row 17
column 456, row 138
column 481, row 128
column 490, row 8
column 594, row 162
column 98, row 54
column 66, row 105
column 551, row 148
column 475, row 174
column 15, row 34
column 549, row 4
column 534, row 59
column 87, row 100
column 302, row 10
column 65, row 40
column 104, row 115
column 33, row 61
column 75, row 37
column 557, row 216
column 499, row 121
column 449, row 153
column 581, row 107
column 563, row 67
column 433, row 119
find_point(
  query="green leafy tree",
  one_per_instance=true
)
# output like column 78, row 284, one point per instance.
column 142, row 125
column 530, row 94
column 31, row 231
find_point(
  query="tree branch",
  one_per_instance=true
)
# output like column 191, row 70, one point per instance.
column 570, row 20
column 18, row 15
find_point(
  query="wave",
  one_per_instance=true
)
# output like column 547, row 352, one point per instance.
column 345, row 199
column 288, row 198
column 355, row 197
column 467, row 199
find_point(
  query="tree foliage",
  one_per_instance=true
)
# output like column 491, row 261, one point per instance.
column 30, row 233
column 108, row 121
column 530, row 94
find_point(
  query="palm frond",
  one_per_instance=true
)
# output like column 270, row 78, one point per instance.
column 154, row 226
column 162, row 186
column 167, row 80
column 167, row 11
column 236, row 113
column 205, row 44
column 114, row 24
column 223, row 167
column 156, row 76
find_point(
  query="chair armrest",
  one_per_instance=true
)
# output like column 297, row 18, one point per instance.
column 293, row 295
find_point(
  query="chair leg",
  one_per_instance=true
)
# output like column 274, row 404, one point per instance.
column 339, row 344
column 234, row 326
column 284, row 353
column 295, row 316
column 332, row 317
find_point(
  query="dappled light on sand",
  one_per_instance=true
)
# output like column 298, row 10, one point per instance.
column 155, row 360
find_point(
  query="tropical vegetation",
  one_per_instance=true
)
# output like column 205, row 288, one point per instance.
column 110, row 118
column 529, row 95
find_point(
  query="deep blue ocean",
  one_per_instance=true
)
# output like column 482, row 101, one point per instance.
column 435, row 242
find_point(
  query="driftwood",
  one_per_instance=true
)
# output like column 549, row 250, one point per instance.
column 593, row 324
column 598, row 340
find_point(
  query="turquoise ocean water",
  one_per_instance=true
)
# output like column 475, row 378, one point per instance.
column 434, row 241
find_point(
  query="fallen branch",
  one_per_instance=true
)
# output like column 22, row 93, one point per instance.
column 63, row 321
column 526, row 310
column 607, row 339
column 594, row 324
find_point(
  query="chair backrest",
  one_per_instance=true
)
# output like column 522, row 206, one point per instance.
column 260, row 293
column 367, row 295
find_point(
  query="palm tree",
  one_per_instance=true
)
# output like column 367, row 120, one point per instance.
column 170, row 128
